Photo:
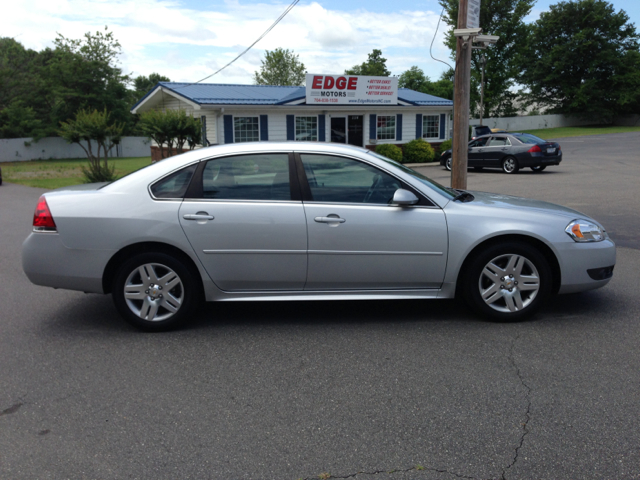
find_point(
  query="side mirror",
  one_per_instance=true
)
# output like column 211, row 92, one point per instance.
column 404, row 197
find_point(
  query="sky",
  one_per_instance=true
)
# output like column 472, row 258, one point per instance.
column 186, row 40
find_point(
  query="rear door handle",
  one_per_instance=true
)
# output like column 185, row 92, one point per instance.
column 330, row 219
column 198, row 216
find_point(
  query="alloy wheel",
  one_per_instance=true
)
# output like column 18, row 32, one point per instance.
column 509, row 283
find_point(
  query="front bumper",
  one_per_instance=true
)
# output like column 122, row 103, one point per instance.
column 579, row 262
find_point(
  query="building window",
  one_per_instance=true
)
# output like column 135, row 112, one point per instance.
column 306, row 129
column 246, row 129
column 431, row 126
column 386, row 127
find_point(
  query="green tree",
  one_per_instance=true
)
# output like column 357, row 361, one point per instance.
column 415, row 79
column 584, row 60
column 22, row 112
column 143, row 85
column 375, row 66
column 171, row 127
column 506, row 19
column 94, row 126
column 280, row 67
column 84, row 74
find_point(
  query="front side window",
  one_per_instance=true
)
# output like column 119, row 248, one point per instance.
column 307, row 129
column 478, row 142
column 174, row 185
column 247, row 177
column 431, row 126
column 344, row 180
column 386, row 127
column 246, row 129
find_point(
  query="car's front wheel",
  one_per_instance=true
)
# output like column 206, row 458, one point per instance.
column 155, row 291
column 510, row 165
column 508, row 282
column 447, row 164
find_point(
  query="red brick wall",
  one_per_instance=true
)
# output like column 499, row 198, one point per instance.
column 156, row 156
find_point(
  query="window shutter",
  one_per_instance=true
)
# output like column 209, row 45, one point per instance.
column 443, row 121
column 291, row 127
column 228, row 129
column 399, row 126
column 373, row 126
column 321, row 128
column 264, row 127
column 203, row 131
column 418, row 125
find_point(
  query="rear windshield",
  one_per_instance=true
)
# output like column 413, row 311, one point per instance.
column 528, row 138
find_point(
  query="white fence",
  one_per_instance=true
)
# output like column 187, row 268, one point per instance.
column 533, row 122
column 22, row 149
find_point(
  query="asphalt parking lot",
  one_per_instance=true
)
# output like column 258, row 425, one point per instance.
column 363, row 390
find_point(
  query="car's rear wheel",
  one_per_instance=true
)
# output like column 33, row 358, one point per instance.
column 155, row 291
column 447, row 164
column 507, row 282
column 510, row 165
column 538, row 168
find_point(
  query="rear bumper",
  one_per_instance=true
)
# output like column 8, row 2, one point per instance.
column 539, row 160
column 47, row 262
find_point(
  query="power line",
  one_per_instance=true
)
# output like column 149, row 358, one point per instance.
column 295, row 2
column 433, row 40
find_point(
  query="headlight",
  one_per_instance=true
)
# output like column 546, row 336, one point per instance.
column 582, row 230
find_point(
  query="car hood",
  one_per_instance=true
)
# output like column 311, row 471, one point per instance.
column 496, row 200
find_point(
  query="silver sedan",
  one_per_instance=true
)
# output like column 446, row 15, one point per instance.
column 303, row 221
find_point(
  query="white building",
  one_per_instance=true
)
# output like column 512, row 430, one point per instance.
column 362, row 111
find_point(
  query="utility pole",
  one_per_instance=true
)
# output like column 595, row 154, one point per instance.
column 461, row 102
column 483, row 62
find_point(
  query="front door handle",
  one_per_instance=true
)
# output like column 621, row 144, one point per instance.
column 198, row 216
column 330, row 219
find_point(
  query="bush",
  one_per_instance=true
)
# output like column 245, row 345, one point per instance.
column 446, row 145
column 418, row 151
column 390, row 151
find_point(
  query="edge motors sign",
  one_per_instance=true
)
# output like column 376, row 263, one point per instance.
column 351, row 90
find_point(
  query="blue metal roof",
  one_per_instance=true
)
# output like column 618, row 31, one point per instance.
column 224, row 94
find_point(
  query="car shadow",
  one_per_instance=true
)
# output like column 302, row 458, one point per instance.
column 95, row 314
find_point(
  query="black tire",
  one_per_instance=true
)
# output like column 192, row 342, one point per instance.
column 538, row 168
column 169, row 302
column 490, row 297
column 510, row 165
column 447, row 163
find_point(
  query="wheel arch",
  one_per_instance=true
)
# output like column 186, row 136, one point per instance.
column 542, row 247
column 146, row 247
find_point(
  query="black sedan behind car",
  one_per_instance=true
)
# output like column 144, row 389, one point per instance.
column 510, row 152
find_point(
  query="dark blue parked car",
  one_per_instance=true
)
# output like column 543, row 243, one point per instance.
column 510, row 152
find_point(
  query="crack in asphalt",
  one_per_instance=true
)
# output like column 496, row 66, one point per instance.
column 525, row 431
column 377, row 472
column 12, row 409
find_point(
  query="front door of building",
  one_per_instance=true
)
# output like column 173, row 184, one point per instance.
column 355, row 128
column 338, row 130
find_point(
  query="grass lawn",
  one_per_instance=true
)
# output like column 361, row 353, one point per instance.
column 62, row 173
column 562, row 132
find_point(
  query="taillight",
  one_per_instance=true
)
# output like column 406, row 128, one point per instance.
column 42, row 218
column 535, row 149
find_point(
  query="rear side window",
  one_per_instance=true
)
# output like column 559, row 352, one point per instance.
column 175, row 185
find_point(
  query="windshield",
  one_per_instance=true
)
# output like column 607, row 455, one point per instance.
column 446, row 191
column 528, row 138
